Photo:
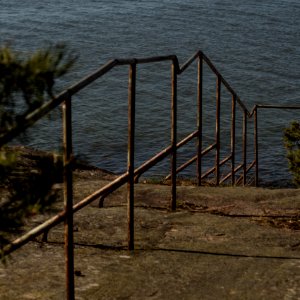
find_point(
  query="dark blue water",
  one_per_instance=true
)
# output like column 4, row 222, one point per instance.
column 254, row 44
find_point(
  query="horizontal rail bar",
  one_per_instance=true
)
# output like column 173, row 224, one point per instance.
column 187, row 139
column 225, row 83
column 92, row 77
column 189, row 62
column 48, row 106
column 214, row 168
column 161, row 155
column 104, row 191
column 40, row 112
column 207, row 173
column 247, row 170
column 238, row 168
column 146, row 60
column 109, row 188
column 230, row 174
column 193, row 159
column 44, row 109
column 153, row 161
column 47, row 225
column 251, row 166
column 270, row 106
column 225, row 160
column 31, row 118
column 226, row 178
column 208, row 149
column 183, row 166
column 182, row 143
column 278, row 106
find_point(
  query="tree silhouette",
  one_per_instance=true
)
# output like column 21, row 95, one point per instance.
column 26, row 82
column 292, row 144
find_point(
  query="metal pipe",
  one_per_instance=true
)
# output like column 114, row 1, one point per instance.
column 130, row 159
column 211, row 170
column 183, row 166
column 247, row 170
column 218, row 116
column 104, row 191
column 161, row 155
column 225, row 160
column 68, row 199
column 208, row 172
column 34, row 116
column 256, row 145
column 50, row 105
column 174, row 135
column 196, row 55
column 152, row 162
column 208, row 149
column 225, row 83
column 199, row 119
column 144, row 60
column 238, row 167
column 230, row 174
column 187, row 139
column 233, row 119
column 250, row 166
column 245, row 148
column 37, row 114
column 189, row 162
column 47, row 225
column 278, row 106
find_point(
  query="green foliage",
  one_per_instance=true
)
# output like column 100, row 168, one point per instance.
column 27, row 177
column 292, row 144
column 25, row 83
column 26, row 180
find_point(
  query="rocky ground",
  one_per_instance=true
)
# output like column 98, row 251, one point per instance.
column 221, row 243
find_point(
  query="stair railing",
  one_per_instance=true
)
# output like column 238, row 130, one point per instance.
column 132, row 174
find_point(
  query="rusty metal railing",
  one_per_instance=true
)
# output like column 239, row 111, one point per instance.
column 132, row 174
column 216, row 146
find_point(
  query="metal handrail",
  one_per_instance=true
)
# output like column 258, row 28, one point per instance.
column 193, row 159
column 66, row 95
column 133, row 173
column 37, row 114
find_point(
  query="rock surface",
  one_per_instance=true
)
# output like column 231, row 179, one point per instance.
column 221, row 243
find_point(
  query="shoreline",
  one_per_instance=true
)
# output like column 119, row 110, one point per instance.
column 30, row 158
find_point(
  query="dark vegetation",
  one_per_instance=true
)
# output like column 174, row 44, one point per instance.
column 26, row 179
column 292, row 144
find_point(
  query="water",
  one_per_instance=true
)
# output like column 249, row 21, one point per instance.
column 254, row 44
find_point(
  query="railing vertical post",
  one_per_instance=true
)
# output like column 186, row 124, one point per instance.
column 174, row 135
column 233, row 118
column 130, row 159
column 256, row 144
column 218, row 117
column 245, row 148
column 68, row 198
column 199, row 118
